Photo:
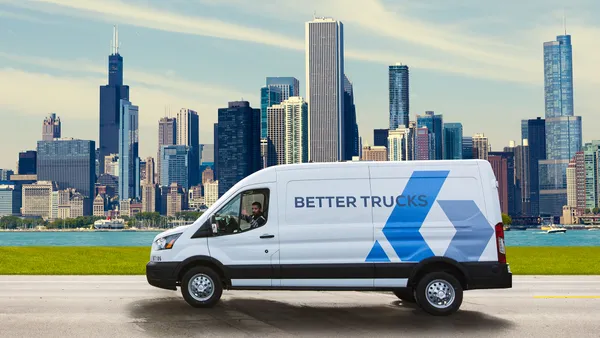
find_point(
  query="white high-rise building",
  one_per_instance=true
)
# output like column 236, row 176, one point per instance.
column 398, row 144
column 325, row 89
column 481, row 146
column 211, row 193
column 288, row 131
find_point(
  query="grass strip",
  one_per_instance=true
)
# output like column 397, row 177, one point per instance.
column 132, row 260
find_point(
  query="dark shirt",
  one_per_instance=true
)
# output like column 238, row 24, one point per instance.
column 255, row 220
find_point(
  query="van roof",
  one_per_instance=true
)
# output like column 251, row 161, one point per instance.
column 436, row 163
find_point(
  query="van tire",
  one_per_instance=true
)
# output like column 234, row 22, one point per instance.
column 207, row 285
column 406, row 295
column 450, row 288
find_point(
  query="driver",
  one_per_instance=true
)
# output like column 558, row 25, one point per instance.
column 256, row 219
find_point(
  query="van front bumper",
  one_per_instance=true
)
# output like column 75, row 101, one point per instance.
column 488, row 276
column 162, row 274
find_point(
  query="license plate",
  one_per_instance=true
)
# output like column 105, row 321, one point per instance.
column 156, row 258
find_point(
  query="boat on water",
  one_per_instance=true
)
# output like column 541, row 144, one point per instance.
column 551, row 228
column 109, row 224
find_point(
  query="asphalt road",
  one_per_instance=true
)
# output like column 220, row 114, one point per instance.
column 126, row 306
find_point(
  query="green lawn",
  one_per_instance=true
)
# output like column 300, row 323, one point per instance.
column 132, row 260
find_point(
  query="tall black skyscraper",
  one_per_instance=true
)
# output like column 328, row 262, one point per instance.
column 27, row 163
column 536, row 133
column 351, row 128
column 110, row 97
column 238, row 146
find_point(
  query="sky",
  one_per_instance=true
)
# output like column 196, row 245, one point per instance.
column 476, row 62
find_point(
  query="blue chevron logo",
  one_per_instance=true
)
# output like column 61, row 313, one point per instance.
column 402, row 229
column 473, row 230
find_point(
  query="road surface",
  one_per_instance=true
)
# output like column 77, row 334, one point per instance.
column 126, row 306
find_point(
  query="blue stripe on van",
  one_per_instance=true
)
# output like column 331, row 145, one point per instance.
column 403, row 226
column 377, row 254
column 473, row 230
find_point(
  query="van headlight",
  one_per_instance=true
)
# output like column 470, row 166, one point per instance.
column 166, row 242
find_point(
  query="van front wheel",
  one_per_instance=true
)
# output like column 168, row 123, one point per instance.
column 439, row 293
column 201, row 287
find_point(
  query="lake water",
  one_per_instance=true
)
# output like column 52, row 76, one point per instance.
column 513, row 238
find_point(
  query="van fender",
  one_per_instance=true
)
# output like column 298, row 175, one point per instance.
column 437, row 263
column 204, row 261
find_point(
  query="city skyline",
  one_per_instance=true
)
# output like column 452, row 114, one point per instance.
column 171, row 80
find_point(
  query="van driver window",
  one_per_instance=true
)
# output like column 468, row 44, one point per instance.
column 244, row 212
column 254, row 209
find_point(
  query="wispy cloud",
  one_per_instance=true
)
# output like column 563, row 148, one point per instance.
column 23, row 17
column 168, row 81
column 481, row 58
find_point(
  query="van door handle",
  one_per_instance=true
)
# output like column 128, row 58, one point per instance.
column 267, row 236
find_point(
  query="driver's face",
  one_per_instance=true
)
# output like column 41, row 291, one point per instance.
column 255, row 210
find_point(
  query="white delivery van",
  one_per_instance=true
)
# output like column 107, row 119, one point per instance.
column 425, row 230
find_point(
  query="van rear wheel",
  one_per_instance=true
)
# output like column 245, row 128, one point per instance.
column 406, row 295
column 439, row 293
column 201, row 287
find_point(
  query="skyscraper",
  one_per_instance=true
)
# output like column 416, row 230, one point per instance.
column 129, row 159
column 563, row 128
column 467, row 148
column 398, row 144
column 150, row 171
column 237, row 144
column 174, row 165
column 325, row 89
column 503, row 164
column 536, row 133
column 110, row 103
column 288, row 132
column 399, row 99
column 435, row 126
column 422, row 144
column 350, row 125
column 522, row 185
column 51, row 128
column 188, row 134
column 167, row 136
column 27, row 163
column 453, row 137
column 380, row 137
column 288, row 86
column 269, row 96
column 481, row 146
column 71, row 164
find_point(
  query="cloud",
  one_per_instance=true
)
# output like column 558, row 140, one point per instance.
column 453, row 52
column 168, row 82
column 75, row 98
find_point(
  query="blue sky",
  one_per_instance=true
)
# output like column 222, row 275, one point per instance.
column 475, row 62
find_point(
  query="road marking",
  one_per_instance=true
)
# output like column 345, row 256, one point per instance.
column 571, row 297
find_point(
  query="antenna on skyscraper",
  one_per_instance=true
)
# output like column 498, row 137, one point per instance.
column 115, row 39
column 565, row 20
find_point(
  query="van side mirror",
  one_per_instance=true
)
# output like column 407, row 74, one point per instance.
column 213, row 223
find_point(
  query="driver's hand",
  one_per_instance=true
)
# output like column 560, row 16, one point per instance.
column 244, row 213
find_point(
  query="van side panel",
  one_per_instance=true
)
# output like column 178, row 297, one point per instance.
column 325, row 230
column 428, row 211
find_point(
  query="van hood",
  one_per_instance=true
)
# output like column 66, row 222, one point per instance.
column 176, row 230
